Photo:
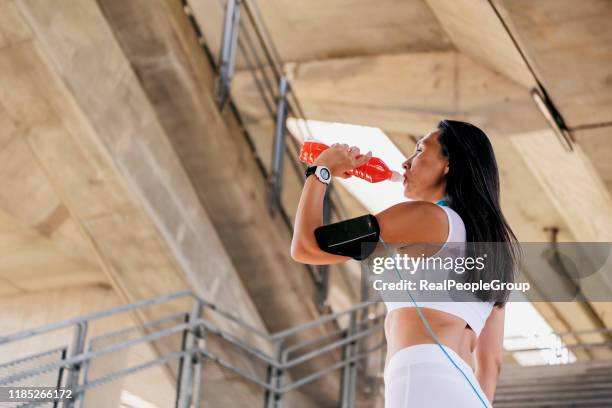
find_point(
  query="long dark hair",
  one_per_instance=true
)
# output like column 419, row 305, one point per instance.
column 472, row 188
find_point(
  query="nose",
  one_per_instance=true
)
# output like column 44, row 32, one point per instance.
column 406, row 164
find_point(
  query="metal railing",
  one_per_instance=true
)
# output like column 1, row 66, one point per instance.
column 245, row 37
column 203, row 334
column 279, row 353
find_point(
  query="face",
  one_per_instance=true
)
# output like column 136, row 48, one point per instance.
column 424, row 171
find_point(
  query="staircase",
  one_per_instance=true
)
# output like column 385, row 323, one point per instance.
column 566, row 385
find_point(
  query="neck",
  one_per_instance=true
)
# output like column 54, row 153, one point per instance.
column 434, row 196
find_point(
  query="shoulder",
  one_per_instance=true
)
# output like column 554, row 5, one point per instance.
column 413, row 221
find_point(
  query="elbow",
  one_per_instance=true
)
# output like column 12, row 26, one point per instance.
column 298, row 253
column 303, row 253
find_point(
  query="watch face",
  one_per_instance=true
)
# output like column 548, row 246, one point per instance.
column 324, row 174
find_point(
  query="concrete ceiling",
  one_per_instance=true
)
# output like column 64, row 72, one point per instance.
column 307, row 30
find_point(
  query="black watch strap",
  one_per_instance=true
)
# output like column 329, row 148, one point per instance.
column 310, row 170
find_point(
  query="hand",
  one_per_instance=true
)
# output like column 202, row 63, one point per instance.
column 340, row 158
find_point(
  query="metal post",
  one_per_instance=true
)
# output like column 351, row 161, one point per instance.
column 323, row 270
column 349, row 373
column 276, row 176
column 198, row 391
column 78, row 345
column 227, row 58
column 197, row 380
column 188, row 362
column 60, row 377
column 85, row 371
column 275, row 379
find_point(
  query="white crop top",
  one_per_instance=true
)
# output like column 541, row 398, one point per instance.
column 476, row 313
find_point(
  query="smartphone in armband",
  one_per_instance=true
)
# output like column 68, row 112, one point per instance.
column 355, row 238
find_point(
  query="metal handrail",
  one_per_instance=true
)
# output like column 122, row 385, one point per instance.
column 331, row 368
column 329, row 348
column 320, row 321
column 329, row 335
column 32, row 357
column 115, row 376
column 198, row 327
column 88, row 355
column 274, row 338
column 359, row 331
column 137, row 327
column 95, row 316
column 231, row 317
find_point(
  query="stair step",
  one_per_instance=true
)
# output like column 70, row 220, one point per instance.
column 554, row 387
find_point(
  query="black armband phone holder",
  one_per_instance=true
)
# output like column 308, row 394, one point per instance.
column 356, row 237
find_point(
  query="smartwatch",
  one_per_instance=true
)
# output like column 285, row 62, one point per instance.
column 322, row 173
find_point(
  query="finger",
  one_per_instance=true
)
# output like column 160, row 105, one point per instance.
column 363, row 159
column 354, row 151
column 345, row 146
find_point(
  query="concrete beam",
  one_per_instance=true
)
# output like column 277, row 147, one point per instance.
column 107, row 157
column 572, row 184
column 568, row 46
column 406, row 93
column 477, row 31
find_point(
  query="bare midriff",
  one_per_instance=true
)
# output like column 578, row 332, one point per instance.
column 404, row 328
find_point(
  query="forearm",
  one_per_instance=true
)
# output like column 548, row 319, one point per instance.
column 488, row 377
column 309, row 216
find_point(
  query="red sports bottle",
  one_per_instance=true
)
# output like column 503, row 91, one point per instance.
column 374, row 171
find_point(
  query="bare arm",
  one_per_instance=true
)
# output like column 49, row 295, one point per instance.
column 304, row 247
column 402, row 223
column 489, row 352
column 407, row 222
column 309, row 217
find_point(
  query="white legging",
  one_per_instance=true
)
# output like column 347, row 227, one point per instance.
column 422, row 376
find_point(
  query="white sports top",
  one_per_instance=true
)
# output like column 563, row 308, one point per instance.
column 475, row 314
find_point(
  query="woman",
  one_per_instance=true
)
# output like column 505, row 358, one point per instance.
column 452, row 182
